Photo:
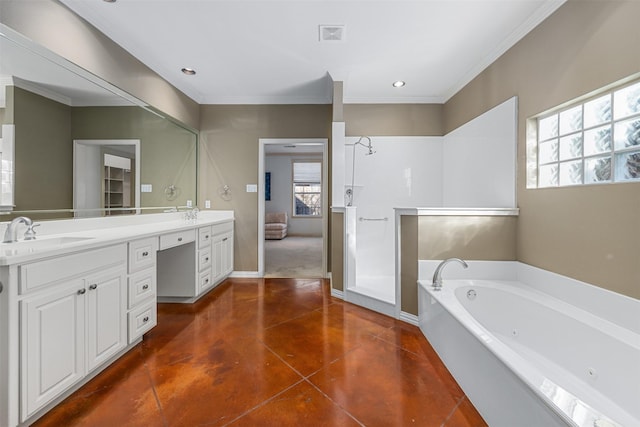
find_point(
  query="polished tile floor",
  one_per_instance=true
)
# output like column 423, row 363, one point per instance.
column 272, row 352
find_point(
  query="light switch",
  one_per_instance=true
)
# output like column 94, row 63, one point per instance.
column 252, row 188
column 207, row 204
column 146, row 188
column 189, row 203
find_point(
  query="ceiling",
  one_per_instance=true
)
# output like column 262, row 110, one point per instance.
column 269, row 51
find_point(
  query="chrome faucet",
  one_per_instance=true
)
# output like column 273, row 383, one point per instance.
column 10, row 235
column 437, row 275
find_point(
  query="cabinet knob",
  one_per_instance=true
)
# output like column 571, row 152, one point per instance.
column 145, row 253
column 225, row 239
column 206, row 237
column 81, row 291
column 206, row 259
column 93, row 287
column 179, row 239
column 146, row 319
column 145, row 286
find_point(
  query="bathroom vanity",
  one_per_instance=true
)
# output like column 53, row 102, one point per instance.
column 85, row 291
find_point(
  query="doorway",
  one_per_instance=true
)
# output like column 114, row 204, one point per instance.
column 106, row 174
column 303, row 251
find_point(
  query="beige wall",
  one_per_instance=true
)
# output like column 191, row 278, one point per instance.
column 590, row 233
column 393, row 119
column 7, row 110
column 229, row 156
column 337, row 104
column 489, row 238
column 409, row 240
column 337, row 250
column 43, row 152
column 52, row 25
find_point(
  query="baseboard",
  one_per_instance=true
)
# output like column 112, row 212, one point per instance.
column 337, row 293
column 409, row 318
column 246, row 274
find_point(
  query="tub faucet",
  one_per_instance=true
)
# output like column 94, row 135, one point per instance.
column 10, row 235
column 437, row 275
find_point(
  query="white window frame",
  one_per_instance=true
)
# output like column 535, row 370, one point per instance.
column 533, row 164
column 293, row 188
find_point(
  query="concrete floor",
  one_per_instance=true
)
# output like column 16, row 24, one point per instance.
column 272, row 352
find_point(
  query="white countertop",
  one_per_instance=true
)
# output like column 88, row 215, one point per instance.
column 74, row 235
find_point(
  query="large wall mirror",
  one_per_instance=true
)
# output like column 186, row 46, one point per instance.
column 129, row 158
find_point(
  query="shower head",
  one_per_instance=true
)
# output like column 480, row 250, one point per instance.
column 368, row 145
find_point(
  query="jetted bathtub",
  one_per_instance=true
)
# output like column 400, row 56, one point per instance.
column 525, row 358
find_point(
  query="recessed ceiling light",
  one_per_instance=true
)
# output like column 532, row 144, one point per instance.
column 399, row 83
column 189, row 71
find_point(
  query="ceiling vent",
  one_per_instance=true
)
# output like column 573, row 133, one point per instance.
column 332, row 33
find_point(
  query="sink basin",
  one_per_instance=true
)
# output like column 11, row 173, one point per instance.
column 23, row 246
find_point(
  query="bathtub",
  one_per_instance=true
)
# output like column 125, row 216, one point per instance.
column 525, row 358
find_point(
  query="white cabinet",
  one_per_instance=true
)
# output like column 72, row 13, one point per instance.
column 142, row 287
column 106, row 316
column 178, row 238
column 186, row 271
column 71, row 326
column 142, row 254
column 204, row 237
column 52, row 345
column 227, row 254
column 205, row 259
column 68, row 311
column 222, row 251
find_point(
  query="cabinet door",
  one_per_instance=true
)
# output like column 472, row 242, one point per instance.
column 52, row 345
column 106, row 316
column 218, row 258
column 227, row 250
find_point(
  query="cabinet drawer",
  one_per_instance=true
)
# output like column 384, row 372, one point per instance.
column 37, row 274
column 204, row 259
column 142, row 254
column 142, row 286
column 206, row 280
column 225, row 227
column 204, row 237
column 176, row 239
column 142, row 319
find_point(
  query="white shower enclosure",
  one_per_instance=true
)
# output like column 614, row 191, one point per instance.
column 471, row 167
column 402, row 172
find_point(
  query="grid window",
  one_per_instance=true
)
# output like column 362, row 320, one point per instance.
column 307, row 188
column 597, row 141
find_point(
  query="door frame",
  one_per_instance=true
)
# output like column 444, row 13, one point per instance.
column 101, row 143
column 325, row 196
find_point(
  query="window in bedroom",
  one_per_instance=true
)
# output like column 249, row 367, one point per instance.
column 307, row 188
column 596, row 141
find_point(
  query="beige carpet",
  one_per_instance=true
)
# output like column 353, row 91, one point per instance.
column 293, row 257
